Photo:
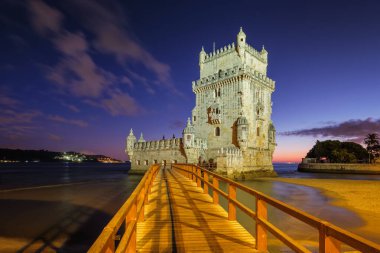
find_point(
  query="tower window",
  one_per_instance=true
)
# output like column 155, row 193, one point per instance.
column 194, row 118
column 241, row 39
column 258, row 131
column 217, row 131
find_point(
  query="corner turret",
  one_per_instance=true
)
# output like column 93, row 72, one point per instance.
column 240, row 45
column 131, row 140
column 141, row 138
column 264, row 54
column 189, row 134
column 272, row 134
column 202, row 57
column 242, row 132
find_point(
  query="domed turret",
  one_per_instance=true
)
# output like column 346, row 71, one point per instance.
column 202, row 57
column 242, row 131
column 241, row 37
column 264, row 53
column 271, row 133
column 131, row 140
column 141, row 138
column 189, row 129
column 189, row 134
column 242, row 121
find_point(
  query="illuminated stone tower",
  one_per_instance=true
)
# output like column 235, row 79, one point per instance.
column 233, row 108
column 231, row 122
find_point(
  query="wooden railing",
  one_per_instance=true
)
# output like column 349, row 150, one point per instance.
column 330, row 236
column 129, row 214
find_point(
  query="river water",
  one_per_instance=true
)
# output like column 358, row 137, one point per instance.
column 63, row 207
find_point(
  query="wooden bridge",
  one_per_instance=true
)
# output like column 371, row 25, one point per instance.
column 176, row 209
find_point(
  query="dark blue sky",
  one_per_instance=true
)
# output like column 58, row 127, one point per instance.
column 77, row 75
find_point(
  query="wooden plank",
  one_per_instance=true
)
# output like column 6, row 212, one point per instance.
column 180, row 216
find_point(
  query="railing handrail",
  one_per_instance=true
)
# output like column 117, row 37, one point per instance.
column 330, row 235
column 131, row 211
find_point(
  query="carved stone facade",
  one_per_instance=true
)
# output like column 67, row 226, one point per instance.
column 231, row 121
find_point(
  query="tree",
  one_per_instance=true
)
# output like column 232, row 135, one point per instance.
column 373, row 145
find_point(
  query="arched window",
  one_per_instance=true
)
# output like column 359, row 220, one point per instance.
column 217, row 131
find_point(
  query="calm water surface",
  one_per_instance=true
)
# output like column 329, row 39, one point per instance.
column 59, row 207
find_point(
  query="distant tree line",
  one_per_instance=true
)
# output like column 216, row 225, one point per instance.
column 28, row 155
column 42, row 155
column 338, row 152
column 346, row 152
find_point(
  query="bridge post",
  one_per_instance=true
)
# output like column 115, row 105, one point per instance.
column 131, row 216
column 205, row 185
column 193, row 169
column 141, row 199
column 147, row 190
column 261, row 233
column 215, row 194
column 189, row 175
column 110, row 248
column 327, row 244
column 231, row 205
column 199, row 181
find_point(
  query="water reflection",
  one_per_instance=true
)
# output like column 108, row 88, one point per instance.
column 59, row 207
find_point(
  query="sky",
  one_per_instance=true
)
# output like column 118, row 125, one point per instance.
column 77, row 75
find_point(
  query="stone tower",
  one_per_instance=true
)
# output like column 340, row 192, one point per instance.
column 233, row 108
column 230, row 124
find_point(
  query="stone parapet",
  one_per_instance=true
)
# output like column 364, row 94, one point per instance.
column 173, row 143
column 225, row 75
column 344, row 168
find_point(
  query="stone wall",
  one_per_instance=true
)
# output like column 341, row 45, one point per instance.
column 349, row 168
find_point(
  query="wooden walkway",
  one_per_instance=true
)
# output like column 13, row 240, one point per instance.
column 181, row 218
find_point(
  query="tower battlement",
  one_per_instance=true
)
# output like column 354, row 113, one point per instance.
column 227, row 74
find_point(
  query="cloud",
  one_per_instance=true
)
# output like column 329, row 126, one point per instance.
column 118, row 103
column 15, row 124
column 354, row 130
column 44, row 18
column 177, row 124
column 77, row 73
column 75, row 122
column 10, row 116
column 80, row 76
column 8, row 101
column 127, row 81
column 72, row 108
column 112, row 36
column 54, row 137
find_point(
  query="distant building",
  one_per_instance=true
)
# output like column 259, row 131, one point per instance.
column 230, row 124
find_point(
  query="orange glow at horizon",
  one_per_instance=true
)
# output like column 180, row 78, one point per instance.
column 289, row 155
